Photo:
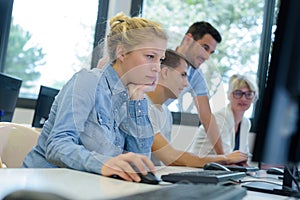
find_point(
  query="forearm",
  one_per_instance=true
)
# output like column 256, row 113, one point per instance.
column 209, row 123
column 173, row 157
column 192, row 160
column 213, row 134
column 75, row 157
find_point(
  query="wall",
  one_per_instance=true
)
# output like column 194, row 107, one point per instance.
column 23, row 116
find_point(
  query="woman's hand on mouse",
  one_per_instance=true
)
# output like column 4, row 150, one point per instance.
column 122, row 166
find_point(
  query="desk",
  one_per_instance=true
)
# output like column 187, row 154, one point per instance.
column 68, row 183
column 81, row 185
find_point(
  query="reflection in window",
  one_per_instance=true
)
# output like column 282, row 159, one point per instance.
column 49, row 41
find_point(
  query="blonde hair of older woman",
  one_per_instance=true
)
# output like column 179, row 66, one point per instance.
column 238, row 81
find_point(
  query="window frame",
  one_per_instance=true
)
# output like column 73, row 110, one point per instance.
column 6, row 7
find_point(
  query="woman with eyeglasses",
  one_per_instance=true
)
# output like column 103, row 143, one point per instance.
column 234, row 126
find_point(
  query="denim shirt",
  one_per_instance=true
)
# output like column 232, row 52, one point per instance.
column 92, row 120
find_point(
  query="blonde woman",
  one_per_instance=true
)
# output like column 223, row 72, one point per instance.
column 99, row 121
column 233, row 125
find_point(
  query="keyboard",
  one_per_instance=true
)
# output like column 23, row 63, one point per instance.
column 204, row 176
column 191, row 191
column 237, row 168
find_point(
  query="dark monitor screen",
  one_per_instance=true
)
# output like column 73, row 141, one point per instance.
column 43, row 105
column 9, row 92
column 278, row 125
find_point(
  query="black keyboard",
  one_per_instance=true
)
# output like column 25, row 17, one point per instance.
column 191, row 191
column 204, row 176
column 237, row 168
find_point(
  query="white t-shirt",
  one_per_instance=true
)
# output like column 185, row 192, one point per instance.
column 161, row 120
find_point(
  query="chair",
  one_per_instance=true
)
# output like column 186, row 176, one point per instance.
column 15, row 142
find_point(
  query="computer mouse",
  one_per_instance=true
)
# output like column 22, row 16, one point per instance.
column 215, row 166
column 275, row 171
column 149, row 178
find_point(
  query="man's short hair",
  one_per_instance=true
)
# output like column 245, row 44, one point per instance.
column 172, row 59
column 199, row 29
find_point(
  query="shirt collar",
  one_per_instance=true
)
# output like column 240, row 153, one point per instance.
column 113, row 80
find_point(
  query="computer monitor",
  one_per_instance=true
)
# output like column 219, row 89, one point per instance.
column 9, row 92
column 278, row 125
column 43, row 105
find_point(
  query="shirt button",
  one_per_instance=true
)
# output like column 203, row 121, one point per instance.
column 139, row 103
column 139, row 111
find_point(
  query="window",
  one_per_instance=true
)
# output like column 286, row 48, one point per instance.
column 241, row 26
column 49, row 41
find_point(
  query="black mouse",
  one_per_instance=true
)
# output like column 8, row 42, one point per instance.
column 275, row 171
column 149, row 178
column 215, row 166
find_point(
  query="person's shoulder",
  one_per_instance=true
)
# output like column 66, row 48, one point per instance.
column 87, row 76
column 224, row 113
column 87, row 72
column 165, row 108
column 198, row 70
column 247, row 121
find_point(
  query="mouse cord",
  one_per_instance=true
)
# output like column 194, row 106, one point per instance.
column 255, row 180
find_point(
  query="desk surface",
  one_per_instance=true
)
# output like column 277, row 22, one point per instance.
column 68, row 183
column 81, row 185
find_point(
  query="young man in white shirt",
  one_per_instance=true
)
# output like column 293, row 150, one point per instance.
column 172, row 80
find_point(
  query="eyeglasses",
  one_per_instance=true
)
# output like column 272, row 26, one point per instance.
column 239, row 94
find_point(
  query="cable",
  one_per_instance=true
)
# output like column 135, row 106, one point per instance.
column 263, row 181
column 263, row 177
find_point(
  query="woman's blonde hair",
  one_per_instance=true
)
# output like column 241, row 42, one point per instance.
column 238, row 81
column 130, row 32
